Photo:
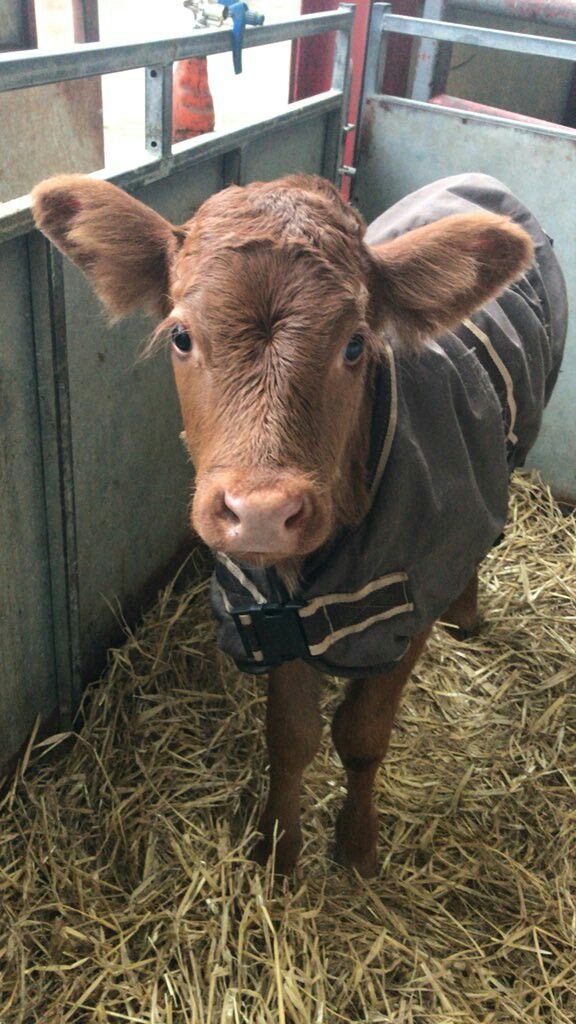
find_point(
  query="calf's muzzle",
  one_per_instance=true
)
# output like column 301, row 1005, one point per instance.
column 280, row 517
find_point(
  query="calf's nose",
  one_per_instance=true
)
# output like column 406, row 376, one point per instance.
column 262, row 520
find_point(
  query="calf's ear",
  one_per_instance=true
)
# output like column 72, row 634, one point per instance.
column 125, row 249
column 428, row 280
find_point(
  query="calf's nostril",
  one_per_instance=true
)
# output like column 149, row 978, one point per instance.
column 262, row 518
column 295, row 518
column 228, row 513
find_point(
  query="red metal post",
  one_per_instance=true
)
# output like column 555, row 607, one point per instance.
column 311, row 67
column 399, row 52
column 312, row 59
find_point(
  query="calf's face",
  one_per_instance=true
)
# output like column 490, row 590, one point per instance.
column 277, row 312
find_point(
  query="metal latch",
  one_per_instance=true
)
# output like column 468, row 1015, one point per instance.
column 271, row 633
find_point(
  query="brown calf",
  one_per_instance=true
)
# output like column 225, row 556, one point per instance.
column 277, row 311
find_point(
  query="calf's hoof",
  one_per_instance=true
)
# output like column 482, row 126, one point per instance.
column 286, row 852
column 357, row 847
column 465, row 630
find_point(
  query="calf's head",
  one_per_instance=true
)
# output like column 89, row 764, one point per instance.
column 277, row 314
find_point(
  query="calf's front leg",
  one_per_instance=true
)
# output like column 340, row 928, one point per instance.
column 361, row 731
column 462, row 618
column 293, row 732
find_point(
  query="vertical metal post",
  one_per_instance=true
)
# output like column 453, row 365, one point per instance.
column 86, row 27
column 433, row 59
column 29, row 34
column 51, row 353
column 375, row 51
column 335, row 136
column 159, row 110
column 375, row 57
column 233, row 172
column 373, row 70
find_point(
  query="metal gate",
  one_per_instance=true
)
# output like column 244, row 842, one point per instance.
column 407, row 143
column 93, row 478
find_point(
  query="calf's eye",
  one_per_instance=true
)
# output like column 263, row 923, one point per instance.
column 181, row 339
column 354, row 349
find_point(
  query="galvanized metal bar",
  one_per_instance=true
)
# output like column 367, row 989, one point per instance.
column 341, row 66
column 433, row 58
column 158, row 111
column 32, row 68
column 233, row 167
column 548, row 12
column 334, row 140
column 50, row 344
column 16, row 218
column 495, row 39
column 332, row 147
column 86, row 26
column 375, row 55
column 520, row 125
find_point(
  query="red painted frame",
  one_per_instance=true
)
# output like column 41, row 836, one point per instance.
column 311, row 65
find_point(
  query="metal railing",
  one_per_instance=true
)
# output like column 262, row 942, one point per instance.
column 32, row 68
column 434, row 54
column 561, row 13
column 495, row 39
column 383, row 22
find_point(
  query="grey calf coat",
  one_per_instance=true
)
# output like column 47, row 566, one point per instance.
column 448, row 427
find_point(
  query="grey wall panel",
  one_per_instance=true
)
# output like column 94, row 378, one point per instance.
column 407, row 145
column 132, row 477
column 27, row 684
column 286, row 152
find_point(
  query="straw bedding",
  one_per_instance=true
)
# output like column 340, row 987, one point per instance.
column 127, row 892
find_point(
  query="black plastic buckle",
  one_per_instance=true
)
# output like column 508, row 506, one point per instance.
column 271, row 633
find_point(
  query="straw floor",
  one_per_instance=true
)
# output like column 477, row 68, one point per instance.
column 127, row 892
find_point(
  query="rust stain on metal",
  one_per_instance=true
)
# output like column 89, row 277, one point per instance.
column 547, row 10
column 367, row 131
column 551, row 12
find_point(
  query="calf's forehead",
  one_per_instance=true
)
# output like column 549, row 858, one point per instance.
column 262, row 293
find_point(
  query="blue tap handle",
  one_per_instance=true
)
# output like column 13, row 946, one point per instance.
column 238, row 14
column 241, row 17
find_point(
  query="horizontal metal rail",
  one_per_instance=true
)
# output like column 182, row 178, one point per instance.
column 561, row 13
column 85, row 61
column 437, row 109
column 16, row 218
column 495, row 39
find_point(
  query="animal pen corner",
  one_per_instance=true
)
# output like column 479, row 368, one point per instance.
column 90, row 513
